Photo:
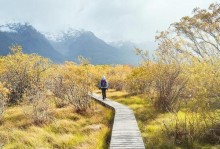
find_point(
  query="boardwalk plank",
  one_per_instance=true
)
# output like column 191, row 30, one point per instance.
column 125, row 131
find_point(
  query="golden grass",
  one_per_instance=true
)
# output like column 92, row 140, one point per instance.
column 67, row 130
column 150, row 121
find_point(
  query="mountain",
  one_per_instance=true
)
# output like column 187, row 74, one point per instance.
column 73, row 43
column 129, row 47
column 68, row 45
column 29, row 38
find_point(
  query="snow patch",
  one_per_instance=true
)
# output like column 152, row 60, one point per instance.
column 65, row 35
column 5, row 28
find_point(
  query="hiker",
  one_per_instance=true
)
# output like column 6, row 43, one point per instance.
column 103, row 85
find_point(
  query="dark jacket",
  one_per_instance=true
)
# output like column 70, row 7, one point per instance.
column 103, row 86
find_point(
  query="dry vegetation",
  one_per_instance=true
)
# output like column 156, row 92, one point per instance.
column 68, row 129
column 176, row 97
column 170, row 130
column 43, row 105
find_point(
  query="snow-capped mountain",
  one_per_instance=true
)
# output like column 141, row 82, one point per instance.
column 67, row 45
column 29, row 38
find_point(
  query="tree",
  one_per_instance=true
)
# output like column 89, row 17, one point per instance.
column 193, row 43
column 196, row 36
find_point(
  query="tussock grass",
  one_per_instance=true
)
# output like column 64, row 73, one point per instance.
column 67, row 130
column 151, row 122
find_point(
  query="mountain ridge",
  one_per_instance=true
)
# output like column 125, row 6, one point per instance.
column 66, row 45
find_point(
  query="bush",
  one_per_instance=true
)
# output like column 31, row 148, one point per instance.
column 72, row 84
column 3, row 99
column 58, row 89
column 169, row 86
column 212, row 135
column 37, row 105
column 117, row 77
column 139, row 81
column 192, row 125
column 162, row 82
column 20, row 71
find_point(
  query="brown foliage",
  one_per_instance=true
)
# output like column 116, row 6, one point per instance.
column 71, row 84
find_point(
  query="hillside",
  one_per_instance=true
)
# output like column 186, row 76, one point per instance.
column 31, row 40
column 73, row 43
column 68, row 45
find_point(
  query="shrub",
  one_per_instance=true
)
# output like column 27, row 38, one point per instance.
column 58, row 89
column 20, row 71
column 162, row 82
column 193, row 125
column 3, row 99
column 37, row 105
column 169, row 86
column 72, row 84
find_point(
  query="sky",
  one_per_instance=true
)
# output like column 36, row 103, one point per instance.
column 110, row 20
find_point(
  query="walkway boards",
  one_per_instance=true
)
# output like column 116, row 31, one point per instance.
column 125, row 132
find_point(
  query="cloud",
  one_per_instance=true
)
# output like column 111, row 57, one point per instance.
column 135, row 20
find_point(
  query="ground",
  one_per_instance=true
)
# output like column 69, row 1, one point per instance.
column 68, row 129
column 150, row 121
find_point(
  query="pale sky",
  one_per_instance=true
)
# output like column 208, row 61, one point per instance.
column 110, row 20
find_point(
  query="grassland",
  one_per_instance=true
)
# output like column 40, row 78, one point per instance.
column 67, row 129
column 90, row 130
column 151, row 122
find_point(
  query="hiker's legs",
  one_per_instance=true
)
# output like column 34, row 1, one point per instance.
column 103, row 93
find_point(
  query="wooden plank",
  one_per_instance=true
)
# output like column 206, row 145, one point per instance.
column 125, row 131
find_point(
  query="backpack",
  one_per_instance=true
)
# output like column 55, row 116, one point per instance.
column 103, row 83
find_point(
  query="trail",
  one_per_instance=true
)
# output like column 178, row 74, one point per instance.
column 125, row 131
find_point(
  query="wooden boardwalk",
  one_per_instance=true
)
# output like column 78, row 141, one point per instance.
column 125, row 131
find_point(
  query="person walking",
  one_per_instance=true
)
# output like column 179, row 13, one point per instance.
column 103, row 85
